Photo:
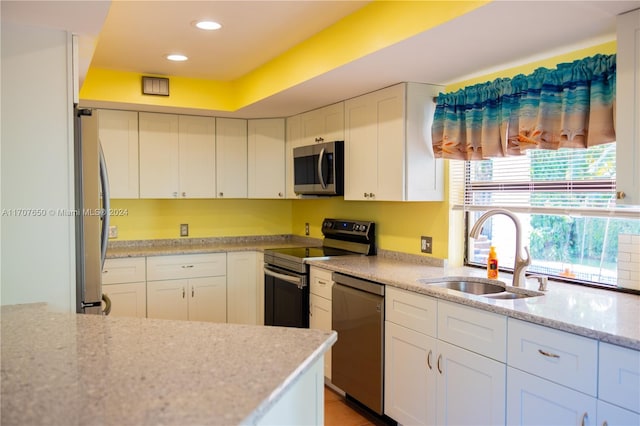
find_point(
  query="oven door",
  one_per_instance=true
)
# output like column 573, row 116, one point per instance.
column 286, row 298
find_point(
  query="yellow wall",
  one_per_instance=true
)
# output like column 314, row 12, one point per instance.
column 157, row 219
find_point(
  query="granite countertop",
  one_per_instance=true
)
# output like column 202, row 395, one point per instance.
column 608, row 316
column 69, row 369
column 141, row 248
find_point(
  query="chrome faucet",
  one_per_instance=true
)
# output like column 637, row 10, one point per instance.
column 520, row 263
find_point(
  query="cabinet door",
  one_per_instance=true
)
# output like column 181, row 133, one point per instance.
column 389, row 109
column 167, row 299
column 471, row 388
column 208, row 299
column 118, row 133
column 611, row 415
column 361, row 149
column 293, row 140
column 127, row 300
column 324, row 124
column 197, row 157
column 266, row 158
column 231, row 158
column 410, row 379
column 535, row 401
column 619, row 376
column 628, row 108
column 242, row 288
column 159, row 155
column 320, row 318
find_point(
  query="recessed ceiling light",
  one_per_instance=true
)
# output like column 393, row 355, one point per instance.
column 207, row 25
column 176, row 57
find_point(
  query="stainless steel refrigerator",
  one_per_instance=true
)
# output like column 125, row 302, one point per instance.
column 91, row 213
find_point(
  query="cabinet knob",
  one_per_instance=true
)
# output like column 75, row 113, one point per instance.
column 620, row 195
column 184, row 194
column 221, row 194
column 280, row 194
column 366, row 195
column 175, row 195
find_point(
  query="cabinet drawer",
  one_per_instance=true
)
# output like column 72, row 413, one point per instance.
column 473, row 329
column 186, row 266
column 619, row 376
column 125, row 270
column 561, row 357
column 321, row 282
column 411, row 310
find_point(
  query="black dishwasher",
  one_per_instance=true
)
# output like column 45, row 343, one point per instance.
column 357, row 357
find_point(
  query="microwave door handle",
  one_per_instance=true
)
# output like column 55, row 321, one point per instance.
column 320, row 161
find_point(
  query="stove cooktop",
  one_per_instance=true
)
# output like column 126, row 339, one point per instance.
column 311, row 252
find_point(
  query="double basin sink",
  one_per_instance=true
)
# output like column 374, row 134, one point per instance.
column 479, row 287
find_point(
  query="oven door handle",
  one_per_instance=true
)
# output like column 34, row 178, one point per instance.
column 284, row 277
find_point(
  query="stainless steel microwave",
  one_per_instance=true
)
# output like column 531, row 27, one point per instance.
column 319, row 169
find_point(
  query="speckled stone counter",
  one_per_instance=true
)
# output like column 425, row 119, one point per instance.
column 608, row 316
column 140, row 248
column 68, row 369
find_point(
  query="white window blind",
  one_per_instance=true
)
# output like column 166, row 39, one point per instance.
column 565, row 181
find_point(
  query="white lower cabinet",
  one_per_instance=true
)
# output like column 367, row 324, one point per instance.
column 187, row 287
column 242, row 289
column 552, row 378
column 124, row 282
column 320, row 307
column 431, row 381
column 532, row 400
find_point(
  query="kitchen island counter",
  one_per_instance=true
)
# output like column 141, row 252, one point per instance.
column 60, row 368
column 605, row 315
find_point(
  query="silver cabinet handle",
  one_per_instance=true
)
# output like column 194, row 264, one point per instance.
column 184, row 194
column 321, row 282
column 429, row 359
column 439, row 361
column 548, row 354
column 585, row 416
column 175, row 194
column 192, row 291
column 183, row 292
column 187, row 266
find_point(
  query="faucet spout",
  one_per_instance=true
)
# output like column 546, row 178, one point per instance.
column 521, row 263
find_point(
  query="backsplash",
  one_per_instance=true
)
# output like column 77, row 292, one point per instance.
column 629, row 261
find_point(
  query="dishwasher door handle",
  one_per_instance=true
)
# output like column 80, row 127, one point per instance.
column 284, row 277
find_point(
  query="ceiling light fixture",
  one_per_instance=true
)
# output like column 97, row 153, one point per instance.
column 207, row 25
column 176, row 57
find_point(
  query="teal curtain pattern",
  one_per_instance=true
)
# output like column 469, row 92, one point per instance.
column 572, row 106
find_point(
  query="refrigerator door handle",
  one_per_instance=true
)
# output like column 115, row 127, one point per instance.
column 104, row 184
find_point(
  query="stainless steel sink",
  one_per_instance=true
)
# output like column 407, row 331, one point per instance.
column 472, row 287
column 482, row 288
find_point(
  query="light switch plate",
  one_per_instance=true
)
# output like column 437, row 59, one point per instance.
column 113, row 231
column 184, row 229
column 426, row 244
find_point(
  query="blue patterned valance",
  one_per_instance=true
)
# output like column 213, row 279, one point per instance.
column 572, row 106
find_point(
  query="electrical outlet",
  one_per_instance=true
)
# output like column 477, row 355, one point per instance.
column 184, row 230
column 113, row 231
column 426, row 244
column 306, row 228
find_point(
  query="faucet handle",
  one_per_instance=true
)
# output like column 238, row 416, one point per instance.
column 527, row 261
column 542, row 281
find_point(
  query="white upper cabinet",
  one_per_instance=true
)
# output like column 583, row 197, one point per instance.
column 266, row 164
column 197, row 157
column 118, row 134
column 324, row 124
column 388, row 150
column 628, row 109
column 231, row 158
column 177, row 156
column 293, row 140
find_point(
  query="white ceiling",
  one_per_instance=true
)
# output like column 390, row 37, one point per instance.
column 136, row 34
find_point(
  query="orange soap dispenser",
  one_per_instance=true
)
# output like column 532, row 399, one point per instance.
column 492, row 264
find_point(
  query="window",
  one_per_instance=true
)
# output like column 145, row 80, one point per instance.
column 565, row 201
